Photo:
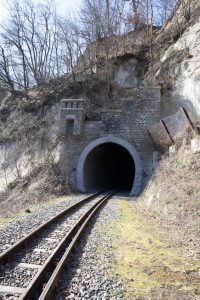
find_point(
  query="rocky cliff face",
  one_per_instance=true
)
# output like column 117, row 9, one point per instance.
column 168, row 57
column 176, row 61
column 184, row 69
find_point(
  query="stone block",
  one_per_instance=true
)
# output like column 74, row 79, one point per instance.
column 126, row 126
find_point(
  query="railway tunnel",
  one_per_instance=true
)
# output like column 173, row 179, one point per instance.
column 109, row 164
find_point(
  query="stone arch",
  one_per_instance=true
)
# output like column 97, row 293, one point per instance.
column 136, row 187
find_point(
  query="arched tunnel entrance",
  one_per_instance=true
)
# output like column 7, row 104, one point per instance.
column 109, row 166
column 109, row 163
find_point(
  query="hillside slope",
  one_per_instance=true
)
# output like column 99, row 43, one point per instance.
column 173, row 192
column 156, row 238
column 30, row 141
column 29, row 128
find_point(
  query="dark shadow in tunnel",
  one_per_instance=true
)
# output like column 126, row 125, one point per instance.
column 109, row 166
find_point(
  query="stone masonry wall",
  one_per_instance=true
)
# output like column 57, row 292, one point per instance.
column 128, row 123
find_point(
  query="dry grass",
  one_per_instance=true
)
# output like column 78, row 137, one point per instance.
column 33, row 208
column 44, row 182
column 156, row 240
column 152, row 263
column 173, row 194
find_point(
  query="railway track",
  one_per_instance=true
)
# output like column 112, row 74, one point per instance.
column 30, row 269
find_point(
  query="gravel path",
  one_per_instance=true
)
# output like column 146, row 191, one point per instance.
column 21, row 227
column 90, row 275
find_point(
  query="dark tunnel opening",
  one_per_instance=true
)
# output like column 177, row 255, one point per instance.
column 109, row 166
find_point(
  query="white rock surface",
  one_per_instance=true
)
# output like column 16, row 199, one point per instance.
column 195, row 145
column 186, row 73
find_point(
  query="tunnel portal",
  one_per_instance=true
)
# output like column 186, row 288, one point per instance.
column 104, row 146
column 109, row 166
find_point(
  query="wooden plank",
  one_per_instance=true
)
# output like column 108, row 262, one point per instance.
column 51, row 240
column 31, row 266
column 40, row 250
column 11, row 289
column 58, row 231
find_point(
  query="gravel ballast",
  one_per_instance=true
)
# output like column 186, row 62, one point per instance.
column 21, row 277
column 90, row 274
column 24, row 225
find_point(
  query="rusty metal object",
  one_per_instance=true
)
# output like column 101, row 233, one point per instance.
column 187, row 117
column 162, row 122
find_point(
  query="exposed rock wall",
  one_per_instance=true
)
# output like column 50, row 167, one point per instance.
column 185, row 71
column 176, row 60
column 169, row 58
column 28, row 137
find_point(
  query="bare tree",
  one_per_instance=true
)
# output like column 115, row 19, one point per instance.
column 5, row 71
column 67, row 37
column 36, row 45
column 165, row 8
column 32, row 37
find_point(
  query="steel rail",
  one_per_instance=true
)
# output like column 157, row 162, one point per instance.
column 51, row 284
column 29, row 292
column 4, row 256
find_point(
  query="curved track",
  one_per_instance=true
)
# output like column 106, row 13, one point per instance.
column 44, row 252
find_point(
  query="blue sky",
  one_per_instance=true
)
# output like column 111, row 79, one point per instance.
column 63, row 7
